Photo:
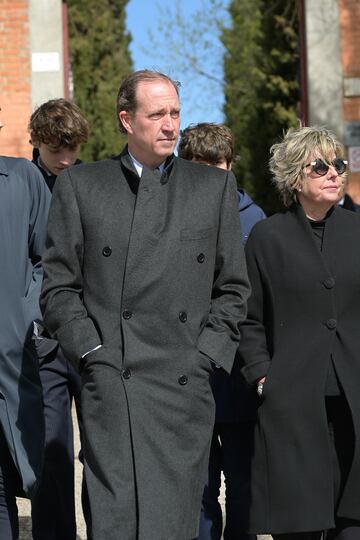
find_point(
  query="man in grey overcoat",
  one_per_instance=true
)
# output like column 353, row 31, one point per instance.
column 24, row 203
column 144, row 287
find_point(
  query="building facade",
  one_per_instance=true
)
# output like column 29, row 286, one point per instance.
column 332, row 37
column 33, row 65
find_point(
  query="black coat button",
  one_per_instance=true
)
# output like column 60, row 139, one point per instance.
column 183, row 380
column 127, row 314
column 331, row 324
column 329, row 282
column 183, row 316
column 107, row 251
column 126, row 373
column 200, row 258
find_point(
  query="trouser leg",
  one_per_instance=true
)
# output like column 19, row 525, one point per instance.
column 211, row 514
column 75, row 389
column 342, row 439
column 10, row 485
column 53, row 507
column 237, row 448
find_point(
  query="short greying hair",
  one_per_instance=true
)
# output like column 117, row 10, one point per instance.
column 289, row 157
column 126, row 98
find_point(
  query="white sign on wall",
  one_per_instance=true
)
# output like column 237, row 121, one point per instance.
column 354, row 158
column 45, row 62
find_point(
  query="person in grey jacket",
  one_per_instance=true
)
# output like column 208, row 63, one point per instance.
column 24, row 201
column 145, row 284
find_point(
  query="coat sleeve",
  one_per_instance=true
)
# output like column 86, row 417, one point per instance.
column 40, row 201
column 253, row 350
column 220, row 336
column 65, row 315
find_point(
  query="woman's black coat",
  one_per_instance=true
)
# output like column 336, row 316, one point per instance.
column 305, row 307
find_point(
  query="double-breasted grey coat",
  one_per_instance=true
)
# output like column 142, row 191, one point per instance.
column 154, row 271
column 24, row 202
column 304, row 308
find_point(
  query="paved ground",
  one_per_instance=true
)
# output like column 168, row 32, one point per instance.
column 24, row 506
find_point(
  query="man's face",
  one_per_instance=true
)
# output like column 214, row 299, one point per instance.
column 57, row 159
column 1, row 124
column 154, row 128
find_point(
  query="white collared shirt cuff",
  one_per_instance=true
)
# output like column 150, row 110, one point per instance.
column 92, row 350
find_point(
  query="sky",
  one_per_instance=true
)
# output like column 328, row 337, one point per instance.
column 201, row 100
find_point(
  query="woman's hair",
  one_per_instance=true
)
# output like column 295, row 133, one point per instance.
column 289, row 157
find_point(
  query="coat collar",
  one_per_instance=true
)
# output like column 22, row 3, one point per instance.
column 304, row 234
column 129, row 169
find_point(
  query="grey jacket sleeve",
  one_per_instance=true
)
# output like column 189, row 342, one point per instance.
column 65, row 315
column 40, row 201
column 220, row 336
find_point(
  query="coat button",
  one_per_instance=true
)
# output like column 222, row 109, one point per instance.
column 329, row 282
column 107, row 251
column 183, row 316
column 127, row 314
column 200, row 258
column 331, row 324
column 126, row 373
column 183, row 380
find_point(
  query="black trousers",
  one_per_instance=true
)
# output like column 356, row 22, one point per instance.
column 231, row 451
column 53, row 506
column 341, row 433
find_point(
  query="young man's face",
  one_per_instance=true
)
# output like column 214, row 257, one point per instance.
column 55, row 160
column 222, row 164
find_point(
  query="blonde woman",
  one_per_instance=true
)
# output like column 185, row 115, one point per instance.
column 300, row 347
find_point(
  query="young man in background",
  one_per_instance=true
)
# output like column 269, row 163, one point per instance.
column 57, row 129
column 231, row 447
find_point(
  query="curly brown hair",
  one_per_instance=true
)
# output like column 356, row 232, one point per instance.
column 58, row 122
column 208, row 142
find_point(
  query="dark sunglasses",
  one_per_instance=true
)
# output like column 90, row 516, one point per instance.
column 321, row 168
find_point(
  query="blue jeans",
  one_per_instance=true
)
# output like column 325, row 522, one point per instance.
column 231, row 451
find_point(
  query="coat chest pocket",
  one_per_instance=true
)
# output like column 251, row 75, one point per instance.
column 187, row 235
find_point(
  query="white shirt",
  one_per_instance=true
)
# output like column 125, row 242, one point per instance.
column 139, row 166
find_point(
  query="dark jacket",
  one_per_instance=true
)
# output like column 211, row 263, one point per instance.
column 304, row 308
column 159, row 279
column 49, row 178
column 235, row 400
column 24, row 201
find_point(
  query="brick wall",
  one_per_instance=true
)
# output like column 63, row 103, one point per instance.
column 15, row 85
column 350, row 47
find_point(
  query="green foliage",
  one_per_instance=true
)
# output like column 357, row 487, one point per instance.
column 100, row 58
column 261, row 70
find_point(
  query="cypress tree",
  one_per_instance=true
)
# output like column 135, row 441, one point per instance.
column 100, row 58
column 261, row 73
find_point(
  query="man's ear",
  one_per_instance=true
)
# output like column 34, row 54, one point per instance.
column 126, row 120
